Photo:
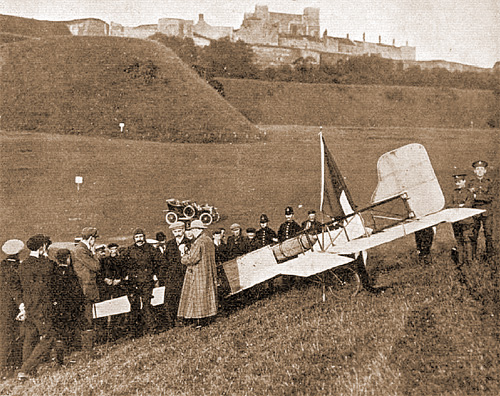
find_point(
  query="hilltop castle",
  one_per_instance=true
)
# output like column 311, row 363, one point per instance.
column 276, row 38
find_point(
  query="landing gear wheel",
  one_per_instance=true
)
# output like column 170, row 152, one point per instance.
column 343, row 283
column 189, row 211
column 171, row 217
column 206, row 218
column 216, row 217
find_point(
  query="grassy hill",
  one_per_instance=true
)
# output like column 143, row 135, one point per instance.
column 277, row 103
column 32, row 27
column 88, row 85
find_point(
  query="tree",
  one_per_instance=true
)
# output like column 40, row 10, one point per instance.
column 184, row 48
column 224, row 58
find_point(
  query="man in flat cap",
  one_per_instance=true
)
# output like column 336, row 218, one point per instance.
column 37, row 281
column 198, row 300
column 265, row 235
column 172, row 276
column 312, row 225
column 143, row 261
column 11, row 305
column 87, row 267
column 482, row 190
column 290, row 227
column 237, row 244
column 462, row 230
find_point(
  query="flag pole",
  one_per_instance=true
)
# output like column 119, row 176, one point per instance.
column 322, row 147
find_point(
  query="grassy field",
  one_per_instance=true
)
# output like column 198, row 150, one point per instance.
column 434, row 330
column 89, row 85
column 275, row 103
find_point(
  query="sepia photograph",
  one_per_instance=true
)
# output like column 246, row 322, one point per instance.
column 283, row 197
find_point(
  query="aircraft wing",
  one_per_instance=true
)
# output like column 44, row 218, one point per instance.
column 261, row 265
column 450, row 215
column 312, row 263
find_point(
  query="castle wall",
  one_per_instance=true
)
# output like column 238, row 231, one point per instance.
column 176, row 27
column 270, row 56
column 450, row 66
column 140, row 32
column 212, row 32
column 257, row 32
column 88, row 27
column 276, row 38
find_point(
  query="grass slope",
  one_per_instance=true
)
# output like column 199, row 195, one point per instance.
column 278, row 103
column 32, row 27
column 88, row 85
column 429, row 334
column 425, row 336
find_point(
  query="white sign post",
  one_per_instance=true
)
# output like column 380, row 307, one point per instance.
column 122, row 125
column 78, row 181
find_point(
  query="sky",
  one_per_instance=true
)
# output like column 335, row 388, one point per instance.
column 465, row 31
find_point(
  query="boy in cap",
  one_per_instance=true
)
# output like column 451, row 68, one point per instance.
column 265, row 235
column 11, row 305
column 482, row 189
column 290, row 227
column 37, row 281
column 462, row 230
column 251, row 238
column 198, row 300
column 87, row 267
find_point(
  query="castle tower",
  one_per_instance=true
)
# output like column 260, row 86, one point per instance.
column 311, row 19
column 262, row 12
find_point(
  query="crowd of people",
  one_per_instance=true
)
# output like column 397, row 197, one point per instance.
column 47, row 300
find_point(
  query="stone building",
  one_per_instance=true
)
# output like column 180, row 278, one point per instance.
column 88, row 27
column 264, row 27
column 140, row 32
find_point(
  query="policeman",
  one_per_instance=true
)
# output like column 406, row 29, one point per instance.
column 482, row 189
column 290, row 227
column 265, row 235
column 462, row 230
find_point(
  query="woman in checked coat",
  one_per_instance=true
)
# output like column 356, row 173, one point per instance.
column 199, row 291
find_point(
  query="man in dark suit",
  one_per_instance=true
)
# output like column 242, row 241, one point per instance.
column 87, row 267
column 172, row 277
column 143, row 263
column 37, row 281
column 11, row 306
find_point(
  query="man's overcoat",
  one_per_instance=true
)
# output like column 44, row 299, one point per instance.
column 86, row 267
column 199, row 291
